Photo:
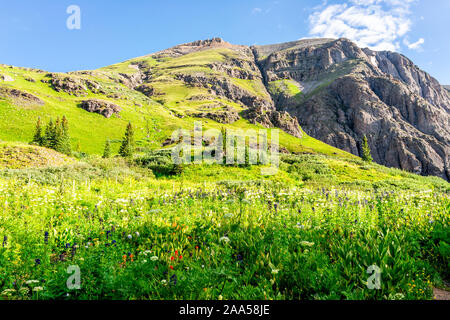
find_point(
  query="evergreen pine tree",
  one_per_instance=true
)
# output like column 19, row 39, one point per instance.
column 127, row 147
column 247, row 155
column 38, row 138
column 366, row 156
column 224, row 144
column 57, row 140
column 49, row 137
column 65, row 146
column 107, row 150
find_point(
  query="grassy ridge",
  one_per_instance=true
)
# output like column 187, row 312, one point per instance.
column 91, row 131
column 19, row 156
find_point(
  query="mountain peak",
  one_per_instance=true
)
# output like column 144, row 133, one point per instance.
column 198, row 45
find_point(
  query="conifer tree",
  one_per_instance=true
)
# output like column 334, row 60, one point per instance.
column 224, row 144
column 127, row 147
column 65, row 146
column 247, row 155
column 107, row 150
column 366, row 156
column 49, row 138
column 57, row 140
column 38, row 138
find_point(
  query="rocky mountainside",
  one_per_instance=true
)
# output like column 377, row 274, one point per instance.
column 213, row 79
column 340, row 92
column 336, row 91
column 329, row 89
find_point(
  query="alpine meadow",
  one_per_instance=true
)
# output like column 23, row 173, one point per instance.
column 316, row 169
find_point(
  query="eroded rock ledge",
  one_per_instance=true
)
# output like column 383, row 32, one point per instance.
column 105, row 108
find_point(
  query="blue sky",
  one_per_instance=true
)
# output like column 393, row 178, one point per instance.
column 34, row 33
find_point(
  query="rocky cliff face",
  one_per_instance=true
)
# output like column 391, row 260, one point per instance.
column 336, row 91
column 342, row 92
column 218, row 78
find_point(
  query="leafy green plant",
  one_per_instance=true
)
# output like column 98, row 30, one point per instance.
column 161, row 163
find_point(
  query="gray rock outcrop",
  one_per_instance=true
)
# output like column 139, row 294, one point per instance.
column 349, row 92
column 20, row 95
column 105, row 108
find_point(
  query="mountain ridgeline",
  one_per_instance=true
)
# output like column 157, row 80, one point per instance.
column 327, row 89
column 347, row 92
column 335, row 90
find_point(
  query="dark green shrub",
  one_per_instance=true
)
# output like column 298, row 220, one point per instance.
column 161, row 163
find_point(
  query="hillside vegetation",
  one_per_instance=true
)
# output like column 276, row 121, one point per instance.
column 154, row 121
column 139, row 226
column 20, row 156
column 220, row 232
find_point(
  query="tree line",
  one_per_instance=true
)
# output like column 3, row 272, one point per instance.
column 127, row 146
column 54, row 136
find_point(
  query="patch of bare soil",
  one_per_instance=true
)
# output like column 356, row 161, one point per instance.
column 439, row 294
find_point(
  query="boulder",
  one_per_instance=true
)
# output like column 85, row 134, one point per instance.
column 105, row 108
column 20, row 95
column 73, row 85
column 226, row 116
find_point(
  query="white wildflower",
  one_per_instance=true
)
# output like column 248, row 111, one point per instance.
column 228, row 216
column 224, row 239
column 8, row 292
column 307, row 243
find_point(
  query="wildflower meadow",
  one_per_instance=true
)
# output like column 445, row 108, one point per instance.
column 161, row 238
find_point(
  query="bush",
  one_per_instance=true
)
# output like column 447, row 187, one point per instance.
column 161, row 163
column 306, row 167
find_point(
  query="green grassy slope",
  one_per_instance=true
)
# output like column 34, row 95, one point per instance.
column 155, row 117
column 177, row 95
column 22, row 161
column 164, row 112
column 90, row 130
column 20, row 156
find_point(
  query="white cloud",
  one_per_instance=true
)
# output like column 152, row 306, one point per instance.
column 416, row 45
column 261, row 11
column 377, row 24
column 256, row 10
